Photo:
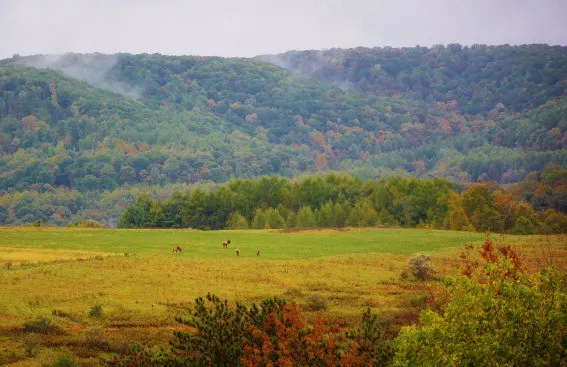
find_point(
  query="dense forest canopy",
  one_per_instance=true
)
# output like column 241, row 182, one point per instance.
column 86, row 127
column 337, row 201
column 477, row 78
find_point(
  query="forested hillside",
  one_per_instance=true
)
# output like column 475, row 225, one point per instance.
column 83, row 128
column 476, row 78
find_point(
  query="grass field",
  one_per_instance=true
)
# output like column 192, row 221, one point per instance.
column 140, row 285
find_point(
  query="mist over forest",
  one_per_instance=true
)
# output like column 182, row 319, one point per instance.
column 83, row 135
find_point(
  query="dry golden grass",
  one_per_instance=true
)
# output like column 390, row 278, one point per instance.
column 141, row 285
column 16, row 256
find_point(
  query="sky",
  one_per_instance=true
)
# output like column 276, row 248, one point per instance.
column 245, row 28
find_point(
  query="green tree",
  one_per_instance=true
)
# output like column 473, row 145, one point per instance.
column 325, row 217
column 305, row 218
column 500, row 316
column 219, row 331
column 341, row 212
column 259, row 220
column 273, row 219
column 363, row 215
column 236, row 221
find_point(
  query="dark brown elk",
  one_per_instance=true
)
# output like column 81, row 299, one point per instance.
column 225, row 243
column 177, row 249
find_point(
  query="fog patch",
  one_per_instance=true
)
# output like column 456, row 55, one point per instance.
column 322, row 65
column 95, row 69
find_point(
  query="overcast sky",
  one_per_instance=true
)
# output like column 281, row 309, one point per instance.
column 253, row 27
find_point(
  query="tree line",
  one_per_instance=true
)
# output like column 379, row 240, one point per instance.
column 343, row 201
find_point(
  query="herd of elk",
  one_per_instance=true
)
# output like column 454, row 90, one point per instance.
column 225, row 244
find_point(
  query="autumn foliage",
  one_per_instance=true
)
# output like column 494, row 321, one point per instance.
column 286, row 340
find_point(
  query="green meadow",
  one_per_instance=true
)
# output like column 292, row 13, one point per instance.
column 107, row 289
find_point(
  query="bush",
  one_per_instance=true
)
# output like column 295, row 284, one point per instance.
column 59, row 313
column 372, row 342
column 220, row 330
column 95, row 338
column 65, row 360
column 42, row 326
column 418, row 301
column 316, row 302
column 96, row 311
column 31, row 343
column 420, row 267
column 88, row 223
column 271, row 334
column 293, row 293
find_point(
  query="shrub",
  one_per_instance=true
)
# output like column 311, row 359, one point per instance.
column 59, row 313
column 372, row 342
column 42, row 326
column 95, row 338
column 271, row 334
column 65, row 360
column 31, row 343
column 420, row 267
column 293, row 293
column 284, row 339
column 418, row 301
column 139, row 356
column 219, row 330
column 88, row 223
column 96, row 311
column 316, row 302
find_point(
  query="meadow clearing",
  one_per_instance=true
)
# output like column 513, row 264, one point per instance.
column 101, row 290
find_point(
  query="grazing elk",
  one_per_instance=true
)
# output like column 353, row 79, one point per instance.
column 237, row 252
column 177, row 249
column 225, row 243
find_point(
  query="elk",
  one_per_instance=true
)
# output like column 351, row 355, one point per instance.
column 225, row 243
column 237, row 252
column 177, row 249
column 258, row 252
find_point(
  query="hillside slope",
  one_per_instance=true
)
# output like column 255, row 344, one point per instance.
column 93, row 123
column 475, row 78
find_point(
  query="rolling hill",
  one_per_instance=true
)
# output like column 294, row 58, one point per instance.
column 82, row 134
